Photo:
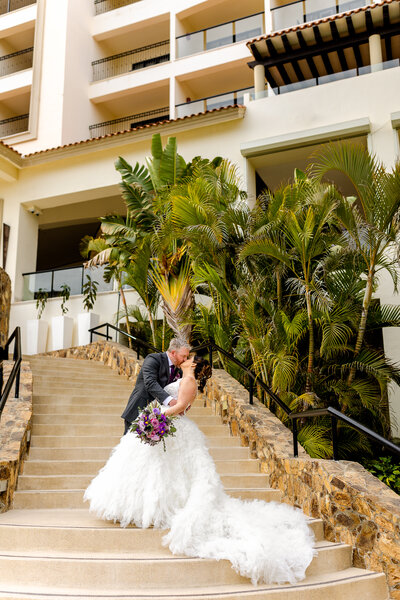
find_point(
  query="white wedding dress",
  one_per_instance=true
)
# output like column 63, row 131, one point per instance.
column 180, row 490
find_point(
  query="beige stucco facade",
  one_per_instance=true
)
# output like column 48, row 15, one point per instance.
column 269, row 136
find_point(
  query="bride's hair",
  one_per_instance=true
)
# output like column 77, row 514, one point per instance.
column 202, row 371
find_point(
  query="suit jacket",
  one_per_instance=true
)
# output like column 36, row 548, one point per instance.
column 153, row 377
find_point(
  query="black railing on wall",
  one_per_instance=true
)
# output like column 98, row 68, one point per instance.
column 129, row 122
column 131, row 60
column 7, row 6
column 16, row 369
column 253, row 379
column 16, row 61
column 14, row 125
column 102, row 6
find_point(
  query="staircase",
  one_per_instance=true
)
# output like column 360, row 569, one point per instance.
column 51, row 547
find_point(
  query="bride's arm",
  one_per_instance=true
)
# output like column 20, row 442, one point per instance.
column 186, row 395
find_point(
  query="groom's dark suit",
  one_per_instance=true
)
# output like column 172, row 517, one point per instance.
column 153, row 377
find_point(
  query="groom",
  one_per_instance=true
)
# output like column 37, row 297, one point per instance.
column 157, row 371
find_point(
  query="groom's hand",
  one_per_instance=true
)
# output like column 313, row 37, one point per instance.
column 173, row 402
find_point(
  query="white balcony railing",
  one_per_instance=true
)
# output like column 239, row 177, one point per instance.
column 220, row 35
column 303, row 11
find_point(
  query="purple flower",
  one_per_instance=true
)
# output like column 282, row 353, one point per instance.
column 156, row 411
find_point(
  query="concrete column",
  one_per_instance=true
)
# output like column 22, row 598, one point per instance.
column 268, row 16
column 259, row 81
column 375, row 52
column 250, row 184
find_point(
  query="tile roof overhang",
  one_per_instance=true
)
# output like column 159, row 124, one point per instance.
column 167, row 127
column 332, row 44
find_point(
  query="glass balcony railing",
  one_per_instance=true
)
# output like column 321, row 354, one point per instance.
column 102, row 6
column 132, row 60
column 51, row 281
column 7, row 6
column 301, row 85
column 130, row 122
column 14, row 125
column 17, row 61
column 211, row 102
column 220, row 35
column 302, row 11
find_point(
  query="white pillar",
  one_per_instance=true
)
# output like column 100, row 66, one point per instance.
column 375, row 52
column 268, row 16
column 259, row 81
column 250, row 184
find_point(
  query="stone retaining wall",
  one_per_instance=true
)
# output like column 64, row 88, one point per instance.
column 5, row 304
column 15, row 426
column 355, row 506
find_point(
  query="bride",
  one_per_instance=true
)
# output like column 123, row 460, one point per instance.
column 180, row 490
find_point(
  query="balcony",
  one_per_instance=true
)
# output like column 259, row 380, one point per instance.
column 212, row 102
column 102, row 6
column 131, row 60
column 220, row 35
column 7, row 6
column 303, row 11
column 14, row 125
column 51, row 281
column 130, row 122
column 17, row 61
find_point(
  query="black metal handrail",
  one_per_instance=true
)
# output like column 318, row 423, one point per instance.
column 15, row 371
column 336, row 416
column 253, row 378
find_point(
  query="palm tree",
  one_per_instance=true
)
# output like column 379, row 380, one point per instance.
column 371, row 220
column 299, row 243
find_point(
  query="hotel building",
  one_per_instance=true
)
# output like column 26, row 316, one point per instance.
column 262, row 82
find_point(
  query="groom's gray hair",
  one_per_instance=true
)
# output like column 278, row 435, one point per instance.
column 177, row 344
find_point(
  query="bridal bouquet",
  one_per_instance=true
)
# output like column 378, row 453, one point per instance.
column 152, row 426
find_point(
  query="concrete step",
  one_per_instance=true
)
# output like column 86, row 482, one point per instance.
column 109, row 419
column 66, row 531
column 57, row 362
column 91, row 409
column 91, row 467
column 30, row 499
column 349, row 584
column 88, row 380
column 136, row 569
column 109, row 430
column 76, row 398
column 93, row 452
column 77, row 482
column 86, row 388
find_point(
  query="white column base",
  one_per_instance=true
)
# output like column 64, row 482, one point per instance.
column 86, row 321
column 36, row 336
column 61, row 329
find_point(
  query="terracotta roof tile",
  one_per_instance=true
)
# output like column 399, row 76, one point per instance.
column 9, row 148
column 318, row 21
column 126, row 131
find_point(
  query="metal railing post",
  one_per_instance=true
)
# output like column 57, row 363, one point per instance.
column 334, row 438
column 107, row 336
column 91, row 336
column 251, row 390
column 210, row 355
column 295, row 444
column 16, row 356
